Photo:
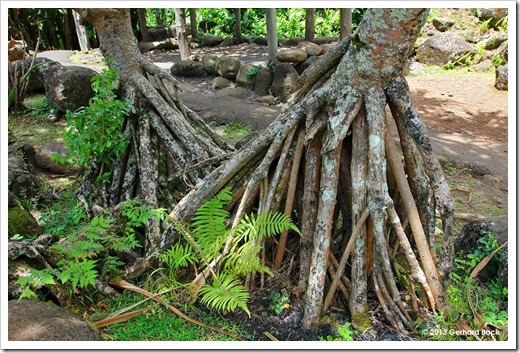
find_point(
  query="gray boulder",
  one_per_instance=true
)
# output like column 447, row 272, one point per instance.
column 501, row 78
column 285, row 81
column 43, row 159
column 443, row 48
column 221, row 83
column 301, row 67
column 296, row 55
column 210, row 63
column 267, row 100
column 228, row 67
column 30, row 320
column 260, row 40
column 188, row 68
column 21, row 221
column 21, row 183
column 246, row 76
column 493, row 15
column 263, row 81
column 503, row 50
column 161, row 33
column 495, row 41
column 36, row 78
column 166, row 44
column 311, row 49
column 467, row 241
column 442, row 24
column 68, row 87
column 484, row 65
column 227, row 42
column 210, row 41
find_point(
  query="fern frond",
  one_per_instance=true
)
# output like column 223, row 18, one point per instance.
column 209, row 222
column 178, row 256
column 269, row 224
column 226, row 293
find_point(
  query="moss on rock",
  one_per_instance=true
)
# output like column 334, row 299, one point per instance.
column 22, row 222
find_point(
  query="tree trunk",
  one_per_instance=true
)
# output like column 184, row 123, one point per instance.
column 238, row 26
column 342, row 103
column 345, row 22
column 81, row 33
column 309, row 24
column 160, row 124
column 180, row 24
column 142, row 24
column 272, row 36
column 336, row 127
column 193, row 23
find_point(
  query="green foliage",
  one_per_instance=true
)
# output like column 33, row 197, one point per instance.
column 235, row 131
column 252, row 72
column 225, row 293
column 95, row 133
column 205, row 240
column 489, row 299
column 290, row 22
column 345, row 334
column 159, row 324
column 464, row 60
column 278, row 302
column 87, row 253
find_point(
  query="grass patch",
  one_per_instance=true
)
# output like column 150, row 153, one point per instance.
column 233, row 132
column 35, row 131
column 160, row 324
column 88, row 57
column 36, row 102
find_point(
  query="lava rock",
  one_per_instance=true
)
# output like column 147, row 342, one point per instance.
column 501, row 78
column 30, row 320
column 68, row 87
column 443, row 48
column 285, row 81
column 188, row 68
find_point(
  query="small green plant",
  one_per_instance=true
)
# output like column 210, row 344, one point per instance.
column 450, row 168
column 17, row 237
column 95, row 133
column 279, row 301
column 345, row 334
column 464, row 60
column 252, row 72
column 87, row 254
column 206, row 238
column 236, row 130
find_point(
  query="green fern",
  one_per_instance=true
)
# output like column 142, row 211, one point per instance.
column 226, row 293
column 178, row 256
column 209, row 223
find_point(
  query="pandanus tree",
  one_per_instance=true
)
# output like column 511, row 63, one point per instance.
column 363, row 200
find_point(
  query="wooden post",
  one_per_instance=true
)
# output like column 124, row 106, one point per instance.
column 272, row 36
column 180, row 24
column 345, row 23
column 309, row 24
column 81, row 32
column 193, row 23
column 142, row 24
column 238, row 26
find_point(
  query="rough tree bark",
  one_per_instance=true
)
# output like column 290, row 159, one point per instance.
column 160, row 128
column 341, row 113
column 182, row 37
column 337, row 128
column 309, row 24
